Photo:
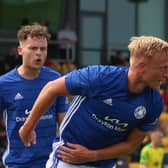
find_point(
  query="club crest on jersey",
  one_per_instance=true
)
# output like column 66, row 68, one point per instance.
column 140, row 112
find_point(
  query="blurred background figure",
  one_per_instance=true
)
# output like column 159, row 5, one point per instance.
column 118, row 59
column 67, row 39
column 152, row 153
column 12, row 59
column 165, row 98
column 52, row 64
column 2, row 66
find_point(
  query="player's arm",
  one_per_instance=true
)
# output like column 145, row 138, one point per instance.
column 2, row 130
column 80, row 154
column 46, row 97
column 134, row 139
column 2, row 123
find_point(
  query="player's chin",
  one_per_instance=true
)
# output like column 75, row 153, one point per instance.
column 37, row 67
column 156, row 86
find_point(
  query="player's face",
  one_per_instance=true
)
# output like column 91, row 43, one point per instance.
column 34, row 52
column 156, row 138
column 156, row 70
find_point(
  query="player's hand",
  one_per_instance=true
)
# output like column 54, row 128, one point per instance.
column 27, row 137
column 75, row 153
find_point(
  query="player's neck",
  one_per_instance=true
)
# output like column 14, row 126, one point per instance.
column 154, row 145
column 134, row 82
column 28, row 73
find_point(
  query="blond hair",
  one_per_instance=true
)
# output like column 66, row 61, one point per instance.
column 146, row 46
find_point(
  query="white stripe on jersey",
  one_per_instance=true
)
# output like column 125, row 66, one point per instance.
column 6, row 152
column 74, row 106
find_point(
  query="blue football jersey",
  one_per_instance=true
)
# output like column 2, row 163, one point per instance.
column 17, row 96
column 106, row 110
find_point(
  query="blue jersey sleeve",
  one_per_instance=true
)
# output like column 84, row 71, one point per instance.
column 90, row 81
column 82, row 81
column 2, row 104
column 155, row 109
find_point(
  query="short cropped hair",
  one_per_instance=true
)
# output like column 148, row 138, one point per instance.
column 146, row 46
column 35, row 30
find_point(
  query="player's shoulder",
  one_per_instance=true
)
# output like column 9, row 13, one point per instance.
column 9, row 76
column 111, row 73
column 50, row 73
column 102, row 74
column 153, row 95
column 105, row 69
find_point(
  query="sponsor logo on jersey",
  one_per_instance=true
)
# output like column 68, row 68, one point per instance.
column 111, row 123
column 27, row 112
column 44, row 117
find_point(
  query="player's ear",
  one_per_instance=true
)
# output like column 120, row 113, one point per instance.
column 141, row 66
column 19, row 49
